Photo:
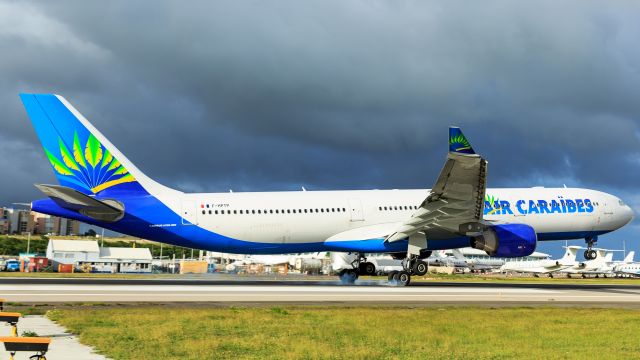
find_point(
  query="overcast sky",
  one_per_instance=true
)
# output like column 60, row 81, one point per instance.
column 260, row 96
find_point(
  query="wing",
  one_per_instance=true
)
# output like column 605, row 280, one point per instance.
column 456, row 201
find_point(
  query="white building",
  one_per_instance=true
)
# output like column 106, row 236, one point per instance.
column 124, row 260
column 85, row 254
column 72, row 251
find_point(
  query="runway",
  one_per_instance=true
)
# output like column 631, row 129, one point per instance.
column 292, row 292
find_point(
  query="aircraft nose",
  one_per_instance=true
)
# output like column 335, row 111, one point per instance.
column 628, row 214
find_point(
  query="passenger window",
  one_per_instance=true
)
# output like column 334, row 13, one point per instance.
column 216, row 212
column 343, row 209
column 235, row 212
column 203, row 212
column 240, row 212
column 277, row 212
column 209, row 212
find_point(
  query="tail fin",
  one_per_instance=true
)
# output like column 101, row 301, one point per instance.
column 629, row 257
column 458, row 143
column 608, row 257
column 458, row 254
column 569, row 256
column 82, row 158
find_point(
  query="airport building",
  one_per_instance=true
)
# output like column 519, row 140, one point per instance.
column 88, row 256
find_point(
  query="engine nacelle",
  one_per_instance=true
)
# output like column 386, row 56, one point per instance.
column 509, row 240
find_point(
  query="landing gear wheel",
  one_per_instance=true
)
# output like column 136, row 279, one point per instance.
column 348, row 277
column 590, row 254
column 367, row 268
column 420, row 268
column 391, row 276
column 403, row 278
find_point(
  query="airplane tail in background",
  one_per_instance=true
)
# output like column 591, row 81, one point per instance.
column 629, row 258
column 458, row 254
column 81, row 157
column 569, row 257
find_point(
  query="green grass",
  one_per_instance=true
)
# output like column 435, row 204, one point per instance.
column 156, row 332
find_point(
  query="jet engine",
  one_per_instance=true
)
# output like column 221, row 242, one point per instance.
column 508, row 240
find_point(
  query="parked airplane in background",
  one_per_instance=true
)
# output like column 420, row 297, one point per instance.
column 547, row 266
column 100, row 186
column 475, row 265
column 627, row 266
column 590, row 265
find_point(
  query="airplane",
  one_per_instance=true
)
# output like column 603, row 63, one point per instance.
column 632, row 269
column 547, row 266
column 98, row 185
column 627, row 266
column 590, row 265
column 478, row 265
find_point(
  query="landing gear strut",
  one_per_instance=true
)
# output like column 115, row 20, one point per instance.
column 590, row 254
column 412, row 264
column 360, row 267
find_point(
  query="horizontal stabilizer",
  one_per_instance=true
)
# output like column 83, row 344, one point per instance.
column 70, row 199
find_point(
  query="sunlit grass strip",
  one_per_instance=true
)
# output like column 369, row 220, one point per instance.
column 156, row 332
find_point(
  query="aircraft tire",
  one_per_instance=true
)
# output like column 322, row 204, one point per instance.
column 403, row 278
column 420, row 268
column 391, row 275
column 367, row 268
column 348, row 277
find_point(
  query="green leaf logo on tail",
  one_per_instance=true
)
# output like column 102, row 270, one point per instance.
column 93, row 168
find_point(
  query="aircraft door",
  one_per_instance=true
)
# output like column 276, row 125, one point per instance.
column 189, row 213
column 355, row 207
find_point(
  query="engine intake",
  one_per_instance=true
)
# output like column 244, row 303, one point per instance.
column 509, row 240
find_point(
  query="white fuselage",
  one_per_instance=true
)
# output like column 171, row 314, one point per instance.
column 314, row 216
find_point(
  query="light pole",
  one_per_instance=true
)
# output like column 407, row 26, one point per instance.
column 28, row 240
column 102, row 238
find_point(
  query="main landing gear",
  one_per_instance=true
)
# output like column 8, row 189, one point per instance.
column 590, row 254
column 411, row 266
column 360, row 267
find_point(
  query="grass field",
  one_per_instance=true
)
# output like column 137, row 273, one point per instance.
column 156, row 332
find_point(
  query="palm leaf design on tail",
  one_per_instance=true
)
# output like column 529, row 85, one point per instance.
column 460, row 142
column 91, row 166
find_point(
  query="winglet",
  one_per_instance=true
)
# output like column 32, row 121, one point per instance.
column 458, row 143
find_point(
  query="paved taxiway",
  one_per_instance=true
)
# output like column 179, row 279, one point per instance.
column 255, row 291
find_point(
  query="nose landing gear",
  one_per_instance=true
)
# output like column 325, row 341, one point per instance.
column 590, row 254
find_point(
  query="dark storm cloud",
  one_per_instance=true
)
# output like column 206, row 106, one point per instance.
column 266, row 96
